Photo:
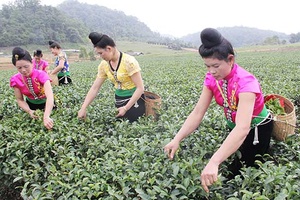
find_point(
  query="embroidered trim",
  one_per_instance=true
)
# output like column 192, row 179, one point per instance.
column 29, row 86
column 228, row 105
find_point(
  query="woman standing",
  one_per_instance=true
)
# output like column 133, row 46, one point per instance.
column 124, row 71
column 33, row 84
column 240, row 95
column 61, row 64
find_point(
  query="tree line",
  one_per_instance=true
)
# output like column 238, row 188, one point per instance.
column 24, row 22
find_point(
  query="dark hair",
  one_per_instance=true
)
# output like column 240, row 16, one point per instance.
column 101, row 40
column 20, row 54
column 38, row 52
column 53, row 44
column 214, row 45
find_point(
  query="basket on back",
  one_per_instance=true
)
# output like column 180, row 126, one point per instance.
column 283, row 125
column 152, row 103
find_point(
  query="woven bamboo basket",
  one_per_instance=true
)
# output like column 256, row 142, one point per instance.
column 284, row 125
column 152, row 103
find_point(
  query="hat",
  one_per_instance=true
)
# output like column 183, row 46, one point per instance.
column 210, row 37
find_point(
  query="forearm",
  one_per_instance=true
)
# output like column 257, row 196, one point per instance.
column 89, row 98
column 57, row 69
column 189, row 126
column 49, row 106
column 196, row 116
column 135, row 97
column 230, row 145
column 237, row 136
column 22, row 104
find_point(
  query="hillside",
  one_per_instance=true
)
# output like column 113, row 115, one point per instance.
column 25, row 22
column 240, row 36
column 112, row 22
column 28, row 22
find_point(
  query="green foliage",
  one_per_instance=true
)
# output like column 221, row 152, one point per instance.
column 295, row 38
column 272, row 40
column 92, row 56
column 27, row 22
column 111, row 22
column 102, row 158
column 274, row 106
column 83, row 53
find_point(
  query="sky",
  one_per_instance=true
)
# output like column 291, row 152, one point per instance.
column 182, row 17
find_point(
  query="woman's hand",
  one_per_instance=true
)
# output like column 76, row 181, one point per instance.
column 82, row 113
column 121, row 111
column 48, row 123
column 171, row 148
column 32, row 114
column 209, row 175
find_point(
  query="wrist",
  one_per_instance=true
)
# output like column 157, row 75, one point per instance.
column 124, row 107
column 176, row 139
column 215, row 160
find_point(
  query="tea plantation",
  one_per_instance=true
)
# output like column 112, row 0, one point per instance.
column 102, row 158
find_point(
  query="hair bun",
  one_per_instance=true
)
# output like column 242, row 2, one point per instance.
column 210, row 37
column 95, row 37
column 50, row 42
column 37, row 52
column 20, row 54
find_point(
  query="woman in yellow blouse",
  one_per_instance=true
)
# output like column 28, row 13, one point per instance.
column 124, row 71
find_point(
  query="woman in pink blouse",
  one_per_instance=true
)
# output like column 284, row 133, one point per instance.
column 239, row 93
column 32, row 84
column 38, row 62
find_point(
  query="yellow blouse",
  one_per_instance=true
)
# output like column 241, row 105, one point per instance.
column 127, row 68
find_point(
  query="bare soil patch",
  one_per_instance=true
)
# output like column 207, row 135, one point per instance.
column 5, row 61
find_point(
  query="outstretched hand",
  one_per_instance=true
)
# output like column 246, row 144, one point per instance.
column 171, row 148
column 33, row 115
column 82, row 114
column 48, row 123
column 121, row 111
column 209, row 175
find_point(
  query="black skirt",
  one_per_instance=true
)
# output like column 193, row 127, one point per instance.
column 136, row 111
column 249, row 151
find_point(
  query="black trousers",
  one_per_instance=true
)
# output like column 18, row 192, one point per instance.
column 249, row 151
column 41, row 106
column 136, row 111
column 33, row 106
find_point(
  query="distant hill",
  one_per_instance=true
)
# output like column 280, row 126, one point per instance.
column 27, row 22
column 239, row 36
column 111, row 22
